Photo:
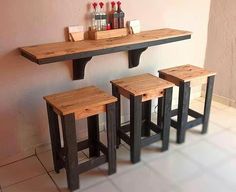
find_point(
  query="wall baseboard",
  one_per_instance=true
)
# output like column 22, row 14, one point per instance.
column 222, row 100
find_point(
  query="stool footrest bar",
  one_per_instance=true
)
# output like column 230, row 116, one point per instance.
column 124, row 136
column 155, row 128
column 194, row 123
column 149, row 140
column 194, row 114
column 94, row 162
column 174, row 112
column 103, row 148
column 174, row 124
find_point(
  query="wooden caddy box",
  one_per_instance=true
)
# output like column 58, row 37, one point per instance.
column 96, row 35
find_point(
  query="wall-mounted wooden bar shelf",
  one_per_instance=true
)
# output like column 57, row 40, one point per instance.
column 81, row 52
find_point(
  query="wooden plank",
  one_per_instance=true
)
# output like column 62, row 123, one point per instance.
column 147, row 85
column 53, row 52
column 80, row 114
column 84, row 101
column 186, row 73
column 95, row 35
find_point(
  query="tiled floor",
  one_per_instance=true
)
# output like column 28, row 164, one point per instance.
column 204, row 163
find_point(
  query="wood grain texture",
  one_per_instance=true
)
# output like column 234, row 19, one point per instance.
column 83, row 102
column 147, row 85
column 186, row 73
column 95, row 35
column 61, row 51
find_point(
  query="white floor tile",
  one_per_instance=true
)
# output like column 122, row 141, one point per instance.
column 153, row 151
column 204, row 153
column 175, row 167
column 226, row 140
column 141, row 179
column 41, row 183
column 190, row 138
column 106, row 186
column 212, row 129
column 47, row 160
column 205, row 183
column 87, row 179
column 227, row 171
column 123, row 162
column 20, row 171
column 225, row 118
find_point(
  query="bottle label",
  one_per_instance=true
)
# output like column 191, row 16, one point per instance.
column 115, row 15
column 122, row 14
column 97, row 17
column 104, row 16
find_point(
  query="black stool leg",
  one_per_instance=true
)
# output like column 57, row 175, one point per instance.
column 146, row 118
column 135, row 127
column 55, row 138
column 93, row 136
column 183, row 106
column 207, row 105
column 166, row 118
column 70, row 144
column 115, row 92
column 160, row 112
column 160, row 107
column 111, row 137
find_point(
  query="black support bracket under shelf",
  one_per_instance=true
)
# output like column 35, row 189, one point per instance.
column 134, row 56
column 79, row 67
column 80, row 64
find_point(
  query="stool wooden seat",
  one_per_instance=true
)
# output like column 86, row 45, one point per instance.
column 187, row 76
column 140, row 90
column 87, row 103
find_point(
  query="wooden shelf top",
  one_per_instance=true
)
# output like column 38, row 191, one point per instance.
column 79, row 100
column 54, row 52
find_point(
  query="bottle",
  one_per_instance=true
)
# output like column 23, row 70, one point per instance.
column 103, row 17
column 95, row 18
column 121, row 16
column 114, row 16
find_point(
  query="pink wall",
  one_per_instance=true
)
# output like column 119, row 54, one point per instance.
column 23, row 83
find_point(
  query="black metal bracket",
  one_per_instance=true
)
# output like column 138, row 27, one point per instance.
column 134, row 56
column 79, row 67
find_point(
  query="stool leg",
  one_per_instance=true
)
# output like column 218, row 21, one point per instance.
column 111, row 137
column 166, row 118
column 183, row 106
column 93, row 135
column 115, row 92
column 55, row 138
column 207, row 105
column 146, row 118
column 135, row 127
column 160, row 112
column 70, row 144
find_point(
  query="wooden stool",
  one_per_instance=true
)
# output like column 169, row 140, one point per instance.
column 185, row 77
column 140, row 90
column 82, row 103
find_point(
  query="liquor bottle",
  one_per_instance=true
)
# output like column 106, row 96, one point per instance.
column 114, row 16
column 103, row 17
column 95, row 18
column 121, row 16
